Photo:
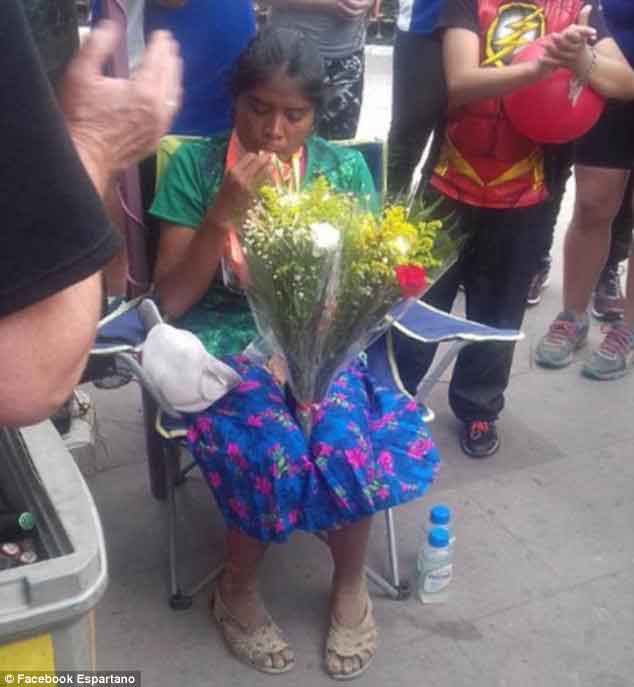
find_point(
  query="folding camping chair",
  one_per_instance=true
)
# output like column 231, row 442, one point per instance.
column 120, row 339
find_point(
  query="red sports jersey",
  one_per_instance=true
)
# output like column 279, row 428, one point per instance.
column 484, row 161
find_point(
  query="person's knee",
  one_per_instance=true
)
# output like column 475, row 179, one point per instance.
column 599, row 193
column 594, row 211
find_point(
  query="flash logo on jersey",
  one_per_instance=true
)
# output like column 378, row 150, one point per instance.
column 517, row 24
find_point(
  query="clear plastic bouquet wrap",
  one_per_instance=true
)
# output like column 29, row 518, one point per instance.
column 325, row 277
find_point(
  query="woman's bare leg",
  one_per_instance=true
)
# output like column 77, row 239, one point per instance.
column 599, row 193
column 349, row 546
column 350, row 651
column 239, row 581
column 238, row 589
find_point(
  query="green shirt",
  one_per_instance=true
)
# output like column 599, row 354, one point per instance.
column 222, row 319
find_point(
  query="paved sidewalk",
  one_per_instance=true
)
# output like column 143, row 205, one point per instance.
column 543, row 593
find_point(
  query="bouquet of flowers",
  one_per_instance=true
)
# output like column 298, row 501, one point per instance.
column 325, row 277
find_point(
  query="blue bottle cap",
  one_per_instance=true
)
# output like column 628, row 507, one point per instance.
column 438, row 537
column 440, row 515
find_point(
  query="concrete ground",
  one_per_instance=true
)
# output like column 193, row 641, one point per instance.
column 542, row 594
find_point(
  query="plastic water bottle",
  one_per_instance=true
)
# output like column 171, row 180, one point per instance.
column 436, row 567
column 439, row 516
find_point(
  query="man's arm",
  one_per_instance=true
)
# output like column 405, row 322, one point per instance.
column 43, row 351
column 55, row 236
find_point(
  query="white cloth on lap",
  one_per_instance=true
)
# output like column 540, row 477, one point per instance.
column 188, row 378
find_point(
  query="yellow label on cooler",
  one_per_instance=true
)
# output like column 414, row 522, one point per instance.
column 34, row 654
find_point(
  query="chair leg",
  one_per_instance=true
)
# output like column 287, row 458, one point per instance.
column 155, row 447
column 178, row 600
column 392, row 548
column 394, row 586
column 164, row 469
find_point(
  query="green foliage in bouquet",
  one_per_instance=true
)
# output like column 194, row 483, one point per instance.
column 449, row 235
column 292, row 251
column 373, row 247
column 324, row 273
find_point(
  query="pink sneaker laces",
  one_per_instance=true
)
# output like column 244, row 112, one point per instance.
column 477, row 428
column 617, row 342
column 561, row 331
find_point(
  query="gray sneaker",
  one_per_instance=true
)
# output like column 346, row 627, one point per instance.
column 614, row 356
column 565, row 335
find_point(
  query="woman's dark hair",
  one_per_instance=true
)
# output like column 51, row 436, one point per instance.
column 273, row 50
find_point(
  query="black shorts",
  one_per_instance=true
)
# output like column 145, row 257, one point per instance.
column 610, row 142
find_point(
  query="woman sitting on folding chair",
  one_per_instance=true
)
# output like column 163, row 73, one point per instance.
column 370, row 450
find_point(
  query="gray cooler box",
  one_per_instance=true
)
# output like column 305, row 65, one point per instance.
column 47, row 607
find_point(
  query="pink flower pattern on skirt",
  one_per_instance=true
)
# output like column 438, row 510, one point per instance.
column 369, row 450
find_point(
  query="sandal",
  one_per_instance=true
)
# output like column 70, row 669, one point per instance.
column 354, row 646
column 255, row 649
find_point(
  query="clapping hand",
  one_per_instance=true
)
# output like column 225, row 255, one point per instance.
column 571, row 48
column 115, row 122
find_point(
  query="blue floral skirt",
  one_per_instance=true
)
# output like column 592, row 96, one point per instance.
column 369, row 450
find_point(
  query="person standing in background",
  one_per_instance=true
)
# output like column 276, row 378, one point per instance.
column 603, row 161
column 211, row 34
column 338, row 27
column 493, row 177
column 419, row 93
column 603, row 147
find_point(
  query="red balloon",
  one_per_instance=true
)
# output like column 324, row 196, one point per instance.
column 545, row 111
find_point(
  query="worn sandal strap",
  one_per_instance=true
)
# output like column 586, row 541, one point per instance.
column 347, row 642
column 254, row 646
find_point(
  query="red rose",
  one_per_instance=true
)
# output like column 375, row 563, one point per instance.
column 412, row 280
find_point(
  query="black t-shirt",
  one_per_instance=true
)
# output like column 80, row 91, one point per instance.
column 463, row 14
column 53, row 229
column 53, row 25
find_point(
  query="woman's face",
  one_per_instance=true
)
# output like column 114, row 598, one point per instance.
column 274, row 117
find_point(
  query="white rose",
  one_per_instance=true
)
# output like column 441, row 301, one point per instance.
column 401, row 245
column 325, row 236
